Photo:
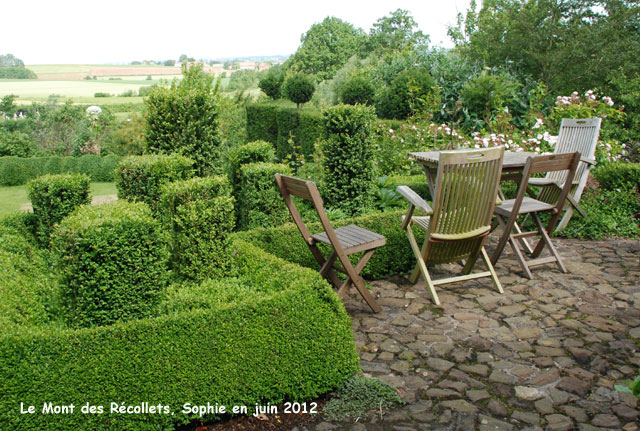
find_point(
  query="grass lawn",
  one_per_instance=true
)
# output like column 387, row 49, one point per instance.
column 14, row 197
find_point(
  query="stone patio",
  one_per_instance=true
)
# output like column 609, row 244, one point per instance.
column 543, row 356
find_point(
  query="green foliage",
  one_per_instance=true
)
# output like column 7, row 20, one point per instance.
column 126, row 138
column 9, row 60
column 619, row 175
column 298, row 88
column 101, row 94
column 16, row 143
column 28, row 293
column 348, row 158
column 53, row 197
column 357, row 89
column 282, row 329
column 259, row 201
column 112, row 260
column 140, row 178
column 271, row 83
column 183, row 119
column 262, row 124
column 566, row 44
column 358, row 396
column 396, row 33
column 395, row 257
column 326, row 47
column 199, row 214
column 252, row 152
column 17, row 73
column 610, row 214
column 485, row 96
column 242, row 80
column 17, row 170
column 412, row 92
column 630, row 387
column 232, row 123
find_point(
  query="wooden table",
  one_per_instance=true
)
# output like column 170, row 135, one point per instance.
column 513, row 163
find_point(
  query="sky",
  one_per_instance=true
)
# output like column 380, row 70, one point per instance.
column 121, row 31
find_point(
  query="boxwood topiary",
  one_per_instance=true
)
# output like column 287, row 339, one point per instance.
column 54, row 197
column 139, row 178
column 112, row 260
column 259, row 202
column 199, row 214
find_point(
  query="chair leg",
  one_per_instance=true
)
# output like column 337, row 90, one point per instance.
column 523, row 262
column 330, row 273
column 546, row 240
column 494, row 276
column 566, row 217
column 502, row 242
column 421, row 267
column 361, row 264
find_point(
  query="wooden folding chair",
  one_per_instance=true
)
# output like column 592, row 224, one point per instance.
column 508, row 212
column 466, row 188
column 345, row 241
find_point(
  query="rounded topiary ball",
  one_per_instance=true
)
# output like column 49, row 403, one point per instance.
column 113, row 260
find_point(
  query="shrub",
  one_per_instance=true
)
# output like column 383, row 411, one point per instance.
column 183, row 119
column 112, row 263
column 395, row 257
column 298, row 88
column 15, row 72
column 348, row 162
column 252, row 152
column 285, row 332
column 16, row 143
column 358, row 396
column 271, row 84
column 139, row 178
column 28, row 294
column 618, row 175
column 259, row 202
column 16, row 170
column 287, row 119
column 411, row 92
column 199, row 214
column 262, row 124
column 357, row 89
column 53, row 197
column 101, row 94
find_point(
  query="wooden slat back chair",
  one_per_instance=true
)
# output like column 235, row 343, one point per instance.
column 345, row 241
column 466, row 187
column 575, row 135
column 509, row 211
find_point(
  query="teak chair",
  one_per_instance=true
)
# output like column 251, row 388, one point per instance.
column 509, row 211
column 466, row 188
column 345, row 241
column 575, row 135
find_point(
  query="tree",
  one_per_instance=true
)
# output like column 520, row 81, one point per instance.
column 182, row 58
column 298, row 88
column 183, row 119
column 396, row 33
column 568, row 44
column 411, row 92
column 326, row 47
column 169, row 62
column 271, row 84
column 357, row 89
column 9, row 60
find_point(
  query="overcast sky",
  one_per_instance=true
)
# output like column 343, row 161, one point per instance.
column 74, row 31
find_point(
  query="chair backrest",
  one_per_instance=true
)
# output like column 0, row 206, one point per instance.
column 564, row 163
column 465, row 192
column 579, row 135
column 308, row 190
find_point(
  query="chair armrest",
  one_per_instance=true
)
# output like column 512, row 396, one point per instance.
column 414, row 199
column 588, row 161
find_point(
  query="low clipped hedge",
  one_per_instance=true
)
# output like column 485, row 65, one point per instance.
column 251, row 152
column 53, row 197
column 418, row 184
column 15, row 171
column 199, row 214
column 262, row 122
column 618, row 175
column 112, row 263
column 284, row 336
column 259, row 201
column 140, row 178
column 396, row 256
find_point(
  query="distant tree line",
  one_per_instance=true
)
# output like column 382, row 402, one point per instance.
column 12, row 67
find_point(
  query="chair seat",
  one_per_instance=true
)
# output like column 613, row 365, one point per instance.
column 353, row 238
column 529, row 205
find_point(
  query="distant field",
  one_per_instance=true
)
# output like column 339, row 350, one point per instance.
column 80, row 91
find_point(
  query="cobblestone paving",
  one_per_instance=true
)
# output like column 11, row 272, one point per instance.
column 543, row 356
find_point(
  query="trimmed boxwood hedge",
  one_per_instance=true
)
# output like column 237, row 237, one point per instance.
column 112, row 260
column 199, row 214
column 395, row 257
column 140, row 178
column 259, row 201
column 262, row 124
column 286, row 336
column 15, row 171
column 53, row 197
